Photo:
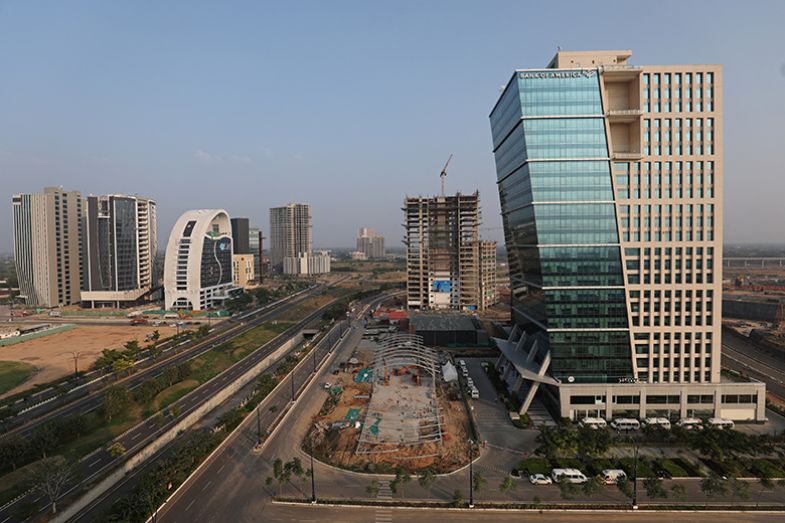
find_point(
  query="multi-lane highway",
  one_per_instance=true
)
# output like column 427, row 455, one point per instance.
column 208, row 492
column 744, row 356
column 139, row 436
column 173, row 353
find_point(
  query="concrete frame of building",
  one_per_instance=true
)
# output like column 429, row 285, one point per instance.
column 646, row 174
column 195, row 278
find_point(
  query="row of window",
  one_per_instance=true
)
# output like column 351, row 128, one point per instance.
column 662, row 399
column 656, row 79
column 663, row 167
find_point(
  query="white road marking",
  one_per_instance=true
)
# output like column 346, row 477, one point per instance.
column 94, row 462
column 189, row 504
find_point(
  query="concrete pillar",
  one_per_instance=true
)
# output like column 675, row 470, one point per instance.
column 683, row 404
column 608, row 404
column 642, row 407
column 529, row 397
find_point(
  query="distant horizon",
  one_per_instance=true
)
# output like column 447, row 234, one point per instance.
column 348, row 107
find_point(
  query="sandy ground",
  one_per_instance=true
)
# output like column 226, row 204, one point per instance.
column 51, row 355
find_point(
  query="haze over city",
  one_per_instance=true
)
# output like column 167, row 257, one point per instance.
column 348, row 106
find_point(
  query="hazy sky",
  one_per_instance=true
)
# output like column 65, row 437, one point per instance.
column 348, row 106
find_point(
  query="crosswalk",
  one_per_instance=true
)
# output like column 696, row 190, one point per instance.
column 384, row 514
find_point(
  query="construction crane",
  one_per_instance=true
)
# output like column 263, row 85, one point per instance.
column 443, row 174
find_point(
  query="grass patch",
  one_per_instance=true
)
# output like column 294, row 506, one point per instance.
column 644, row 470
column 765, row 468
column 674, row 468
column 169, row 395
column 99, row 432
column 535, row 466
column 13, row 374
column 15, row 483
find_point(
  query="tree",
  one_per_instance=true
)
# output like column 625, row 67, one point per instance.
column 507, row 484
column 567, row 489
column 593, row 442
column 12, row 450
column 713, row 485
column 45, row 438
column 116, row 449
column 401, row 479
column 132, row 347
column 373, row 488
column 739, row 488
column 202, row 331
column 281, row 473
column 120, row 365
column 49, row 476
column 592, row 486
column 679, row 491
column 118, row 399
column 654, row 488
column 556, row 440
column 479, row 481
column 457, row 499
column 155, row 336
column 624, row 486
column 427, row 479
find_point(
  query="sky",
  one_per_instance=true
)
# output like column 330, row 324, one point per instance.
column 348, row 106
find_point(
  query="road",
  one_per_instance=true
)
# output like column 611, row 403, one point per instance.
column 231, row 487
column 744, row 356
column 308, row 513
column 231, row 500
column 24, row 423
column 142, row 434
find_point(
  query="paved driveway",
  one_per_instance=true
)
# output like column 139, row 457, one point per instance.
column 492, row 417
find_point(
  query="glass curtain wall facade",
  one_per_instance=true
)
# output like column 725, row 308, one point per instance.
column 554, row 176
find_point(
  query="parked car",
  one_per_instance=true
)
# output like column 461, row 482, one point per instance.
column 517, row 473
column 625, row 424
column 690, row 423
column 594, row 423
column 613, row 476
column 475, row 393
column 721, row 423
column 327, row 385
column 657, row 422
column 540, row 479
column 568, row 475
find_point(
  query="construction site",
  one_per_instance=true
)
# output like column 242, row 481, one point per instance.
column 447, row 265
column 388, row 408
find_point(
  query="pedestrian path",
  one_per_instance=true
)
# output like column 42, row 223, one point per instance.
column 383, row 514
column 539, row 414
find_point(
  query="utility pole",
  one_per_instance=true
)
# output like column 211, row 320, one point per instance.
column 292, row 380
column 313, row 351
column 471, row 473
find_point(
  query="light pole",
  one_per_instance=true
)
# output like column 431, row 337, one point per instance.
column 635, row 479
column 313, row 478
column 471, row 473
column 258, row 425
column 292, row 381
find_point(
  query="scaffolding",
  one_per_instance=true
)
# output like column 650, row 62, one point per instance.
column 403, row 411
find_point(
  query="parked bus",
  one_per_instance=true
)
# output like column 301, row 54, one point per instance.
column 690, row 423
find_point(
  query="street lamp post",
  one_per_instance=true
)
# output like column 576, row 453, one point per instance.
column 292, row 381
column 635, row 479
column 313, row 478
column 471, row 473
column 258, row 425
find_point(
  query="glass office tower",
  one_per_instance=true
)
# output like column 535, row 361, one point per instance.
column 610, row 182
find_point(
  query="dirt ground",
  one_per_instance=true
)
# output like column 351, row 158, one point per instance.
column 51, row 355
column 338, row 445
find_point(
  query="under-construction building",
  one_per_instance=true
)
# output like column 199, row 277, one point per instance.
column 442, row 241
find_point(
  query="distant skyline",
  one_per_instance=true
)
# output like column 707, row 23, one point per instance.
column 348, row 106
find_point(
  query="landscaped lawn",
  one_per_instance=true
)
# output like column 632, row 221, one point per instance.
column 535, row 466
column 171, row 394
column 13, row 373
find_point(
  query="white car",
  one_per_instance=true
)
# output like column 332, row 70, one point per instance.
column 540, row 479
column 327, row 385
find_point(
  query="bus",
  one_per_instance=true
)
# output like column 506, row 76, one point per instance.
column 625, row 424
column 594, row 423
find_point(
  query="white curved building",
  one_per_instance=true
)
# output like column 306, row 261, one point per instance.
column 198, row 264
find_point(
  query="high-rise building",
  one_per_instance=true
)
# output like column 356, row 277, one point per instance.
column 47, row 246
column 198, row 263
column 240, row 236
column 442, row 262
column 256, row 247
column 485, row 254
column 290, row 232
column 610, row 181
column 120, row 243
column 370, row 243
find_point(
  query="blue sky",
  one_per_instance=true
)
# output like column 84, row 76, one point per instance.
column 348, row 106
